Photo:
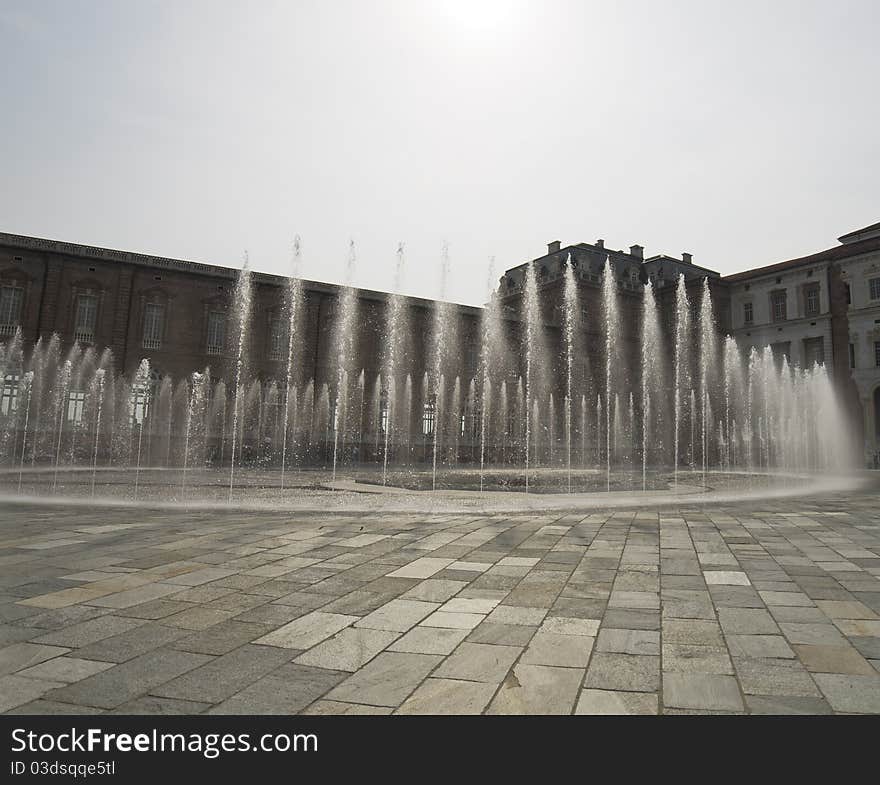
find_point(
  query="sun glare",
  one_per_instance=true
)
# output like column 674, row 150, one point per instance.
column 480, row 16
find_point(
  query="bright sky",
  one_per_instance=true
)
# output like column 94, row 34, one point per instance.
column 745, row 133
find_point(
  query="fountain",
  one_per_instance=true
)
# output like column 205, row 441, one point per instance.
column 242, row 317
column 395, row 328
column 605, row 396
column 532, row 321
column 293, row 307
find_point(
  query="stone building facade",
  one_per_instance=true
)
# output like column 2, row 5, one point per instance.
column 821, row 308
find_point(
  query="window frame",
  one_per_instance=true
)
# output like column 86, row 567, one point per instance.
column 156, row 338
column 812, row 290
column 85, row 335
column 777, row 297
column 11, row 322
column 215, row 322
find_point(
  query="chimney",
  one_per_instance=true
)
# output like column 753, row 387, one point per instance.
column 638, row 251
column 554, row 247
column 687, row 258
column 600, row 243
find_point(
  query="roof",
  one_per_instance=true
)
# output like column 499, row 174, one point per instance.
column 595, row 249
column 829, row 255
column 873, row 229
column 662, row 257
column 42, row 244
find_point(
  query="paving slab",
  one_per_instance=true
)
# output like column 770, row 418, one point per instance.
column 537, row 689
column 388, row 680
column 610, row 702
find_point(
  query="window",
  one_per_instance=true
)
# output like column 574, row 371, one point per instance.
column 429, row 415
column 778, row 306
column 877, row 353
column 86, row 317
column 383, row 412
column 874, row 283
column 848, row 294
column 140, row 403
column 11, row 299
column 277, row 338
column 331, row 306
column 154, row 323
column 748, row 313
column 852, row 355
column 9, row 397
column 811, row 300
column 814, row 351
column 76, row 404
column 216, row 332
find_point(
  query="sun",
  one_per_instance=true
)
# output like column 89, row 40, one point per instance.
column 479, row 16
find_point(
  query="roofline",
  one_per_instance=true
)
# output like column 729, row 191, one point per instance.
column 42, row 244
column 869, row 228
column 580, row 246
column 659, row 256
column 828, row 255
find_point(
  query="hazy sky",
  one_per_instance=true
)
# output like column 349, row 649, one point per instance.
column 745, row 133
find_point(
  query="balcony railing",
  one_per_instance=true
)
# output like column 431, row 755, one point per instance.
column 152, row 343
column 215, row 350
column 84, row 336
column 8, row 329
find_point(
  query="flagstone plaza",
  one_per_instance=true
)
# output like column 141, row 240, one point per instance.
column 753, row 607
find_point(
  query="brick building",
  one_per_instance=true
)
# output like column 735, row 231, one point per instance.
column 820, row 308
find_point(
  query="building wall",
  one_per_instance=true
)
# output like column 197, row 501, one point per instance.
column 863, row 318
column 798, row 327
column 52, row 274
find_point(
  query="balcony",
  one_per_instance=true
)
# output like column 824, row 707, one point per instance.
column 215, row 350
column 8, row 329
column 152, row 343
column 84, row 336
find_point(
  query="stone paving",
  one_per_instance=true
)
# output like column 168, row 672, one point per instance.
column 759, row 607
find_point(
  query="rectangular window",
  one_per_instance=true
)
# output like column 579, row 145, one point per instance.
column 814, row 351
column 874, row 283
column 877, row 353
column 277, row 338
column 778, row 306
column 10, row 394
column 383, row 414
column 811, row 300
column 11, row 299
column 140, row 403
column 331, row 306
column 216, row 332
column 848, row 294
column 154, row 323
column 748, row 313
column 86, row 317
column 852, row 355
column 428, row 418
column 76, row 405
